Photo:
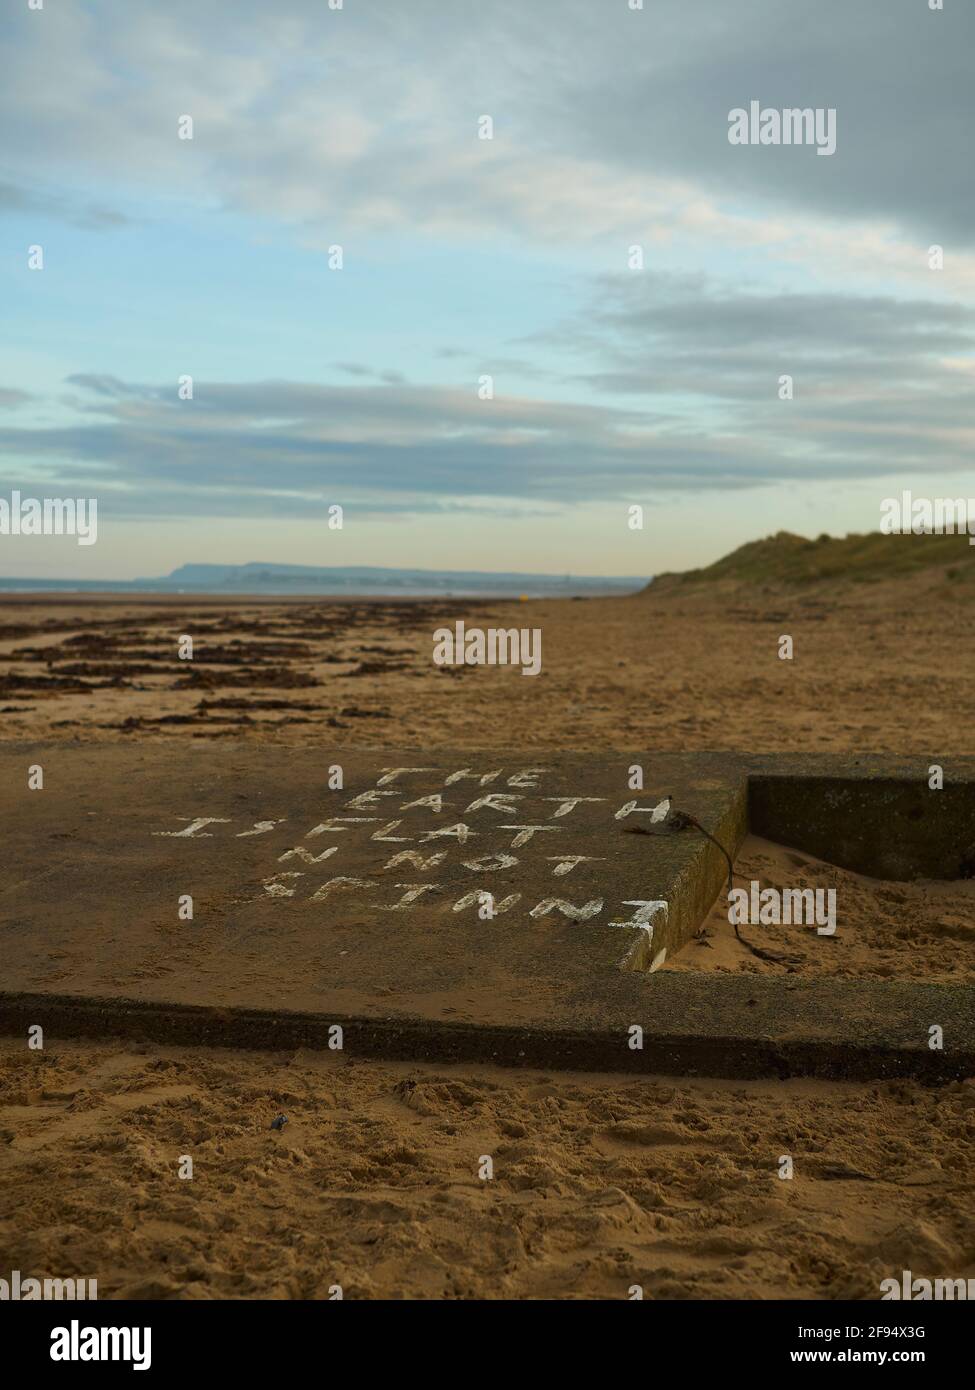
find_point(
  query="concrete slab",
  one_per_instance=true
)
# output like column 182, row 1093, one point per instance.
column 364, row 905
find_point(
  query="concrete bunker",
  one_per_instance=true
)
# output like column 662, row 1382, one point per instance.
column 886, row 827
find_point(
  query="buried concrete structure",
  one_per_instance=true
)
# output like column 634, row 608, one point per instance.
column 455, row 906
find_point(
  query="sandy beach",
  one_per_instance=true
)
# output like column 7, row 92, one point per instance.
column 878, row 668
column 601, row 1183
column 373, row 1184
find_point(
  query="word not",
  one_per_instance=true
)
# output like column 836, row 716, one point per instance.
column 791, row 126
column 945, row 515
column 498, row 646
column 772, row 907
column 54, row 516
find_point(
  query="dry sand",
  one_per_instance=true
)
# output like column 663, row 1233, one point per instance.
column 923, row 930
column 599, row 1182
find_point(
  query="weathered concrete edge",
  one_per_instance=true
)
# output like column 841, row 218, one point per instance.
column 696, row 885
column 65, row 1017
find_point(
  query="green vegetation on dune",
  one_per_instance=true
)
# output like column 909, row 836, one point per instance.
column 872, row 558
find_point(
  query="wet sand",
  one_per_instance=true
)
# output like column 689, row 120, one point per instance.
column 883, row 668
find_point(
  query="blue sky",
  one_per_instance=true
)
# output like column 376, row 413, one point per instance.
column 463, row 257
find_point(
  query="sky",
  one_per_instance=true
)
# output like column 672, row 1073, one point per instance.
column 528, row 334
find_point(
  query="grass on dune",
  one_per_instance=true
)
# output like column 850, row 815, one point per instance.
column 872, row 558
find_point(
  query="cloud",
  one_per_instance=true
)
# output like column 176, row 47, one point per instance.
column 897, row 74
column 14, row 199
column 875, row 378
column 244, row 449
column 608, row 121
column 357, row 369
column 360, row 126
